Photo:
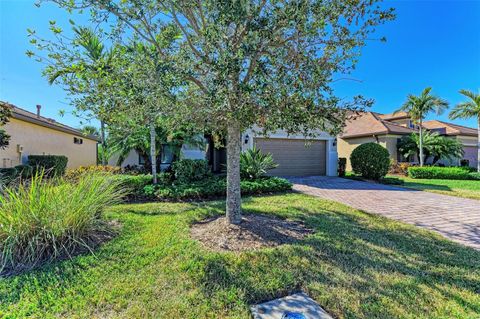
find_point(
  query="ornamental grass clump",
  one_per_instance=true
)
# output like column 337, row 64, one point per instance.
column 44, row 220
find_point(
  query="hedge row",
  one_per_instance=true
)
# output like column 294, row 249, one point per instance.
column 216, row 187
column 434, row 172
column 141, row 187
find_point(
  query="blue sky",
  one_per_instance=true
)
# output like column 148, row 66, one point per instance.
column 431, row 43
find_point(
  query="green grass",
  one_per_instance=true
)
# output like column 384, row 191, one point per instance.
column 356, row 266
column 460, row 188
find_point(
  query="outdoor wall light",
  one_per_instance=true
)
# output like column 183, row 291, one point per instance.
column 247, row 138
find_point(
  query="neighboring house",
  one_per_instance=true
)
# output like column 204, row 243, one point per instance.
column 294, row 155
column 387, row 129
column 33, row 134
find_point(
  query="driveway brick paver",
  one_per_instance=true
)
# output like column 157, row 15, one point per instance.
column 455, row 218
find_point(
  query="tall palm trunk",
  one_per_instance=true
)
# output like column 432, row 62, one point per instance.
column 104, row 143
column 421, row 143
column 234, row 200
column 478, row 146
column 153, row 151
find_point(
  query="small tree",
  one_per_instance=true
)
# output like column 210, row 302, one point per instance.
column 418, row 107
column 243, row 63
column 434, row 145
column 469, row 109
column 5, row 113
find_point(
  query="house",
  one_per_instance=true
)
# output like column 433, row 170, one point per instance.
column 33, row 134
column 294, row 155
column 387, row 129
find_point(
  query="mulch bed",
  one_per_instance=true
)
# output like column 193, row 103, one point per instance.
column 255, row 232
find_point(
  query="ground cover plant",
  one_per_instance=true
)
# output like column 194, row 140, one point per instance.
column 43, row 220
column 354, row 264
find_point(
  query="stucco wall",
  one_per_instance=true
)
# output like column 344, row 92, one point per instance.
column 345, row 147
column 39, row 140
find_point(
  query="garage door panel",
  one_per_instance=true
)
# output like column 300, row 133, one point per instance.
column 294, row 157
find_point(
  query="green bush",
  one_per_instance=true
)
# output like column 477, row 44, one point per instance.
column 7, row 175
column 370, row 160
column 255, row 164
column 475, row 176
column 215, row 187
column 24, row 171
column 435, row 172
column 189, row 170
column 52, row 165
column 48, row 219
column 134, row 184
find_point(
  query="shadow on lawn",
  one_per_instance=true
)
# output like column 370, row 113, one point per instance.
column 373, row 258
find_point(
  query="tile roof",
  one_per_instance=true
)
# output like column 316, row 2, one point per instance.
column 394, row 116
column 450, row 128
column 370, row 123
column 24, row 115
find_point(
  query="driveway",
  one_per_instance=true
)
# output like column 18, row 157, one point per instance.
column 455, row 218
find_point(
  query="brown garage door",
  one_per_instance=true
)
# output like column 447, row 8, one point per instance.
column 294, row 157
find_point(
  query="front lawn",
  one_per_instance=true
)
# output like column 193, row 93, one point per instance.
column 461, row 188
column 355, row 265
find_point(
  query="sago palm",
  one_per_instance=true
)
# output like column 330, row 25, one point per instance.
column 419, row 106
column 466, row 110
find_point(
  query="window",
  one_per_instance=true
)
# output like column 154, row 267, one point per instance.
column 78, row 140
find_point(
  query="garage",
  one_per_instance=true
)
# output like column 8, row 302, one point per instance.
column 294, row 157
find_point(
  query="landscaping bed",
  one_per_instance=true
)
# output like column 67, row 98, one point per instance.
column 355, row 265
column 211, row 187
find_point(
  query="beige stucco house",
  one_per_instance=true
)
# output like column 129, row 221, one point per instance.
column 387, row 129
column 33, row 134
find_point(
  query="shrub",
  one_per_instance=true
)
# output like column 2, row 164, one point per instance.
column 7, row 175
column 399, row 168
column 370, row 160
column 434, row 172
column 75, row 174
column 134, row 184
column 52, row 165
column 189, row 170
column 24, row 171
column 474, row 176
column 342, row 166
column 215, row 187
column 255, row 164
column 48, row 219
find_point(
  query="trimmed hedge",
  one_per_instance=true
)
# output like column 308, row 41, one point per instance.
column 215, row 187
column 370, row 160
column 24, row 171
column 435, row 172
column 53, row 165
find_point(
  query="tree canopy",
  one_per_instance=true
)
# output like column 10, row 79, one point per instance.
column 269, row 63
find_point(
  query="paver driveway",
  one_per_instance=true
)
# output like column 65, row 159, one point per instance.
column 453, row 217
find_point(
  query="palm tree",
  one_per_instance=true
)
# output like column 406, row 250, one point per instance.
column 419, row 106
column 95, row 58
column 469, row 109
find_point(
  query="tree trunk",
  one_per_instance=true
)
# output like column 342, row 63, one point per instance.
column 478, row 146
column 234, row 200
column 104, row 143
column 153, row 151
column 421, row 143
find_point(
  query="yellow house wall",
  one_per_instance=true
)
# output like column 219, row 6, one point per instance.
column 345, row 147
column 39, row 140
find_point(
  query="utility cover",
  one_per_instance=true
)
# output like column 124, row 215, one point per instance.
column 297, row 306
